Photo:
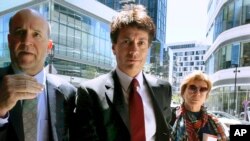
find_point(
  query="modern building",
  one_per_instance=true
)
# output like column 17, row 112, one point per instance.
column 80, row 32
column 157, row 10
column 228, row 57
column 184, row 57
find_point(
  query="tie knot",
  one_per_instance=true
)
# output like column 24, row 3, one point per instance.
column 134, row 84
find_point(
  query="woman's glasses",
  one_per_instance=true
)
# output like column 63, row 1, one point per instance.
column 194, row 89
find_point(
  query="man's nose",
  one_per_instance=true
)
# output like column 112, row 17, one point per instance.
column 26, row 39
column 134, row 45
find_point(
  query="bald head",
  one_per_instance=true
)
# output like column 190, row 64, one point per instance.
column 28, row 41
column 25, row 14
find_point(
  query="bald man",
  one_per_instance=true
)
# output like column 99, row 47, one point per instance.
column 26, row 79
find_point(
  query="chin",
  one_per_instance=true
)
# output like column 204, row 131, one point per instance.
column 26, row 66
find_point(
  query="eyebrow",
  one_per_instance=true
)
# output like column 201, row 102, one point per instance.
column 20, row 28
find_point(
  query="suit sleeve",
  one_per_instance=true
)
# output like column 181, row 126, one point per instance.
column 3, row 133
column 168, row 98
column 7, row 133
column 84, row 117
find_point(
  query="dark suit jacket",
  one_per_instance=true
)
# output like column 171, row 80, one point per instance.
column 100, row 101
column 61, row 103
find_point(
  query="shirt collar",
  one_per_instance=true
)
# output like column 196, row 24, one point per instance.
column 40, row 77
column 125, row 80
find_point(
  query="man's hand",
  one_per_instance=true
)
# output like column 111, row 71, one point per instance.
column 17, row 87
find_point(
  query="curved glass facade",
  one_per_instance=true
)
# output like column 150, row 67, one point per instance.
column 228, row 58
column 229, row 55
column 82, row 45
column 222, row 99
column 232, row 14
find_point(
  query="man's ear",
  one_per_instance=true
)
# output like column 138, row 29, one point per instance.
column 50, row 45
column 9, row 40
column 113, row 49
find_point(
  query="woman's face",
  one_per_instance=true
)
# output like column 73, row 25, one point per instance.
column 195, row 95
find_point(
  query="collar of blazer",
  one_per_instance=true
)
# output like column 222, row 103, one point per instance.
column 112, row 81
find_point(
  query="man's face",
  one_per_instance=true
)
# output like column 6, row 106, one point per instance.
column 131, row 50
column 28, row 42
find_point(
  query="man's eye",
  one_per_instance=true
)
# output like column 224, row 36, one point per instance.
column 126, row 41
column 141, row 43
column 36, row 34
column 19, row 33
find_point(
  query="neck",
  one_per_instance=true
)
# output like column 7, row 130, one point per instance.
column 192, row 108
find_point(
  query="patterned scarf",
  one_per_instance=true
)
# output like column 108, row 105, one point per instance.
column 187, row 126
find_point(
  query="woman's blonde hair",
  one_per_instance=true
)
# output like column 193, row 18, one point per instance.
column 196, row 75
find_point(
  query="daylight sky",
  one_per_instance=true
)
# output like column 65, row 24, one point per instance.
column 186, row 20
column 6, row 4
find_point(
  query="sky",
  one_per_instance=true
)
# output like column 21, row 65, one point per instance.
column 6, row 4
column 186, row 20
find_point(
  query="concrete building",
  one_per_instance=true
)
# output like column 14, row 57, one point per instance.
column 80, row 32
column 184, row 57
column 228, row 58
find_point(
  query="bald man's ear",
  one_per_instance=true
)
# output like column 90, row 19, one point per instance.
column 50, row 45
column 113, row 49
column 9, row 40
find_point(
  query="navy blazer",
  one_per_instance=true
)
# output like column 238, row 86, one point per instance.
column 61, row 103
column 100, row 101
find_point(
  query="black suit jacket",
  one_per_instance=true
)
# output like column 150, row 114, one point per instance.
column 61, row 103
column 100, row 102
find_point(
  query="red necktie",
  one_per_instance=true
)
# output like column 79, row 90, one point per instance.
column 136, row 114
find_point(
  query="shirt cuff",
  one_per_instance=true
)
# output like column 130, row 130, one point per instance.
column 4, row 120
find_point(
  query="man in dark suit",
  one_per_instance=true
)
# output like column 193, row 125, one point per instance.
column 26, row 79
column 106, row 99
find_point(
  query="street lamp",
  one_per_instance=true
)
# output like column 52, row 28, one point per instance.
column 235, row 87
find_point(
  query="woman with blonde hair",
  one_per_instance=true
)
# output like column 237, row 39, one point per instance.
column 193, row 123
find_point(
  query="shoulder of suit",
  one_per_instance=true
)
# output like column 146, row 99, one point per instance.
column 96, row 82
column 67, row 89
column 56, row 80
column 157, row 81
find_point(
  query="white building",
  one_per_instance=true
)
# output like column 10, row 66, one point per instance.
column 184, row 57
column 228, row 58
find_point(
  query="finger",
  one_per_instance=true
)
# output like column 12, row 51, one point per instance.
column 21, row 76
column 30, row 88
column 27, row 84
column 24, row 95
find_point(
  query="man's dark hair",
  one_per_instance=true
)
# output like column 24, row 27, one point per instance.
column 135, row 16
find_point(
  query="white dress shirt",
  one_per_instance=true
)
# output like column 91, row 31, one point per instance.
column 143, row 90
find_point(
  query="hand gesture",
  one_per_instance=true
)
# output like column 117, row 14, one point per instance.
column 17, row 87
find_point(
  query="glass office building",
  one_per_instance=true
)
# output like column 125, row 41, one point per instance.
column 157, row 10
column 228, row 58
column 82, row 46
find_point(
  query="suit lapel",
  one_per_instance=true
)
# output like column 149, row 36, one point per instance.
column 115, row 96
column 55, row 110
column 162, row 131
